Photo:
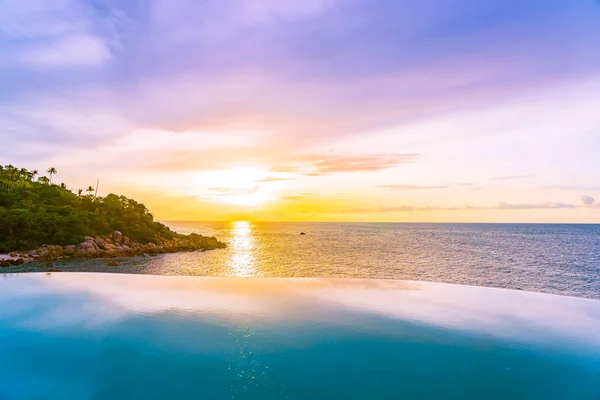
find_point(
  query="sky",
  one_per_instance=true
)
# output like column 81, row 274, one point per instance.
column 314, row 110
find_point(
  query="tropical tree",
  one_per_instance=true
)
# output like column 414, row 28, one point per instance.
column 90, row 189
column 34, row 174
column 63, row 186
column 79, row 191
column 43, row 179
column 52, row 171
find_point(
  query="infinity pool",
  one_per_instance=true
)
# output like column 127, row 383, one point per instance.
column 104, row 336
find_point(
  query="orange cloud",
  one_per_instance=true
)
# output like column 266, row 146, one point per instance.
column 319, row 165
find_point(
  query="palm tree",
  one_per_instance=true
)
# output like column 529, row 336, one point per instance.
column 79, row 191
column 90, row 189
column 63, row 186
column 34, row 173
column 43, row 179
column 52, row 171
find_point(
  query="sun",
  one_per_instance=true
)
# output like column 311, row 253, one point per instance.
column 239, row 186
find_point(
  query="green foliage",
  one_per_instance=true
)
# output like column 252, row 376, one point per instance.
column 33, row 213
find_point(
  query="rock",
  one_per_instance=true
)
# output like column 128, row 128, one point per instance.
column 112, row 263
column 69, row 250
column 49, row 252
column 125, row 251
column 13, row 254
column 117, row 237
column 150, row 248
column 118, row 245
column 302, row 233
column 99, row 242
column 86, row 249
column 110, row 253
column 93, row 243
column 103, row 244
column 18, row 261
column 5, row 264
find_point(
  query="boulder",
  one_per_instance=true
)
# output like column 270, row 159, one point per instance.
column 150, row 248
column 86, row 249
column 5, row 263
column 103, row 244
column 49, row 252
column 92, row 243
column 18, row 261
column 69, row 250
column 117, row 237
column 99, row 242
column 125, row 251
column 58, row 250
column 13, row 254
column 110, row 253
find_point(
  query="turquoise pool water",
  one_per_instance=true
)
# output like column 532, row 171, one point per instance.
column 105, row 336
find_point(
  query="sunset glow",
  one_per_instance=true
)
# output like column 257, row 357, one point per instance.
column 239, row 186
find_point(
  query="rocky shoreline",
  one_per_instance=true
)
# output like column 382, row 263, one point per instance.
column 114, row 245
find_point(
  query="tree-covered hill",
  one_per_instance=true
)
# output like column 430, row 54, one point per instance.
column 35, row 212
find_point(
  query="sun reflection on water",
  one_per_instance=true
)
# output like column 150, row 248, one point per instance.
column 241, row 261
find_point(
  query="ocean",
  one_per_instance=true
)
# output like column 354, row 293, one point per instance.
column 551, row 258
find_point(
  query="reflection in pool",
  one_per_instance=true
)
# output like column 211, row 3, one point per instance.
column 103, row 336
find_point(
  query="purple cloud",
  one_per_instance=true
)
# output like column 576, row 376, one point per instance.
column 306, row 70
column 589, row 202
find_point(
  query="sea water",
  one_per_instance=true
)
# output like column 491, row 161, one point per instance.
column 118, row 336
column 552, row 258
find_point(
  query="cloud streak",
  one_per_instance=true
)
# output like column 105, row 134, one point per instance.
column 297, row 197
column 229, row 191
column 273, row 179
column 535, row 206
column 500, row 206
column 319, row 165
column 401, row 187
